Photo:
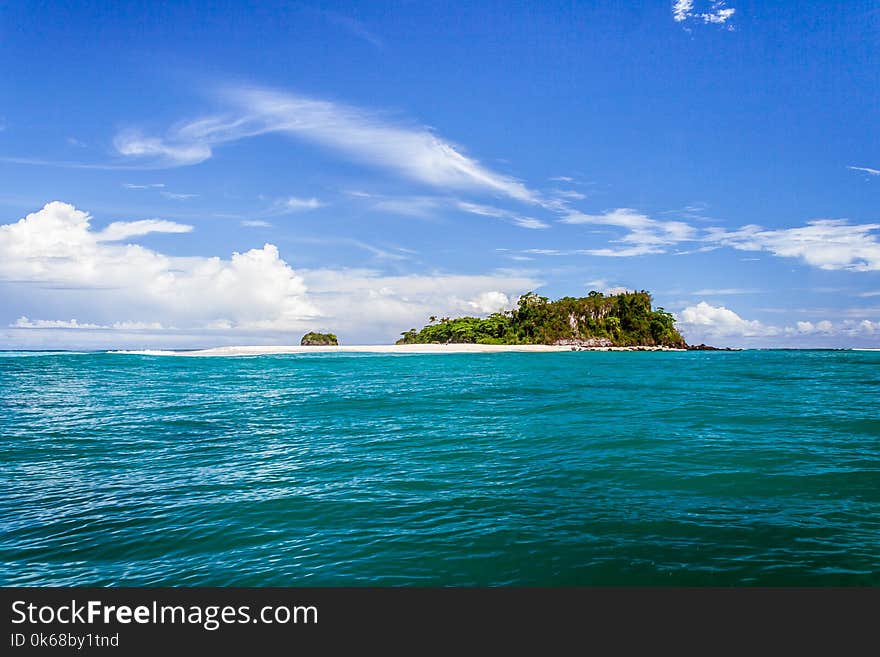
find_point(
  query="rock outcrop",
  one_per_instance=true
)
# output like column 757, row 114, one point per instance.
column 590, row 342
column 313, row 339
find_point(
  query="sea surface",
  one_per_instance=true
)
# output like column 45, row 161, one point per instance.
column 739, row 468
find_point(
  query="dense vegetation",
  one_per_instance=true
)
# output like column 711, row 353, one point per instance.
column 625, row 319
column 313, row 339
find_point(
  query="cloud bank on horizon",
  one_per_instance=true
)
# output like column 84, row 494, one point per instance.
column 56, row 253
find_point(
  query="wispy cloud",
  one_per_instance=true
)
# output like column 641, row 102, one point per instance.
column 135, row 144
column 644, row 236
column 490, row 211
column 868, row 170
column 681, row 9
column 823, row 243
column 569, row 194
column 255, row 223
column 355, row 28
column 411, row 151
column 295, row 204
column 409, row 206
column 144, row 186
column 176, row 196
column 120, row 230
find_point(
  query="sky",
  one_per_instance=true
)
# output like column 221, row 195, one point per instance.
column 191, row 174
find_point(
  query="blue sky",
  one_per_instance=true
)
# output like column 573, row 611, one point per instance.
column 194, row 174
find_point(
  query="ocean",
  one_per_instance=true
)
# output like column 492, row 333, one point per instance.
column 550, row 469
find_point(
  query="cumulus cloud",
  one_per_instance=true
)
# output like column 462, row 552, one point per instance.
column 25, row 322
column 823, row 243
column 644, row 235
column 847, row 327
column 824, row 326
column 70, row 270
column 56, row 246
column 718, row 321
column 490, row 302
column 414, row 152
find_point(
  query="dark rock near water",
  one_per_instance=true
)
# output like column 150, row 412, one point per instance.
column 705, row 347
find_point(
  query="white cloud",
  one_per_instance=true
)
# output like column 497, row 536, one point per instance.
column 176, row 196
column 718, row 321
column 715, row 12
column 120, row 230
column 570, row 194
column 138, row 296
column 490, row 302
column 514, row 218
column 602, row 285
column 24, row 322
column 412, row 151
column 133, row 143
column 295, row 204
column 56, row 247
column 851, row 328
column 681, row 9
column 823, row 243
column 377, row 307
column 530, row 222
column 255, row 223
column 819, row 327
column 644, row 236
column 868, row 170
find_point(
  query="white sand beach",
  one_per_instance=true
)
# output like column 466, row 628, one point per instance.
column 259, row 350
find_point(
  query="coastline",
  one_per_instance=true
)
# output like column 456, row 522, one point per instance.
column 452, row 348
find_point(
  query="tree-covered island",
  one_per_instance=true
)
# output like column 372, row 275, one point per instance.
column 597, row 320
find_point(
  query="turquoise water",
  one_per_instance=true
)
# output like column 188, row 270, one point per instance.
column 489, row 469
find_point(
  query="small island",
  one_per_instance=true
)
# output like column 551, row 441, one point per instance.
column 313, row 339
column 625, row 320
column 597, row 322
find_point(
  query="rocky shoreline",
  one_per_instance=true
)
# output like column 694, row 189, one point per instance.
column 604, row 344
